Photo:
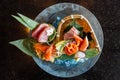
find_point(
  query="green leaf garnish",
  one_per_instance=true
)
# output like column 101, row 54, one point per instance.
column 25, row 45
column 77, row 26
column 52, row 36
column 21, row 21
column 32, row 24
column 66, row 57
column 91, row 52
column 68, row 28
column 73, row 23
column 27, row 22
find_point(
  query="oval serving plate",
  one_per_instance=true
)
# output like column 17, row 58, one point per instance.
column 55, row 13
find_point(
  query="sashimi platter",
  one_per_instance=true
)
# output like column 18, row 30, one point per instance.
column 66, row 42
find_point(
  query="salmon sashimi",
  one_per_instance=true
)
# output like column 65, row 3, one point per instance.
column 40, row 47
column 42, row 36
column 84, row 44
column 48, row 54
column 77, row 39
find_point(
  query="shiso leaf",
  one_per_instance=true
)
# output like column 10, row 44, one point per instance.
column 32, row 24
column 25, row 45
column 66, row 57
column 91, row 52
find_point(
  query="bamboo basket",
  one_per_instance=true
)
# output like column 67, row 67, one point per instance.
column 80, row 19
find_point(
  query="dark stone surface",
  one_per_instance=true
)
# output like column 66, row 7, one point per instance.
column 15, row 65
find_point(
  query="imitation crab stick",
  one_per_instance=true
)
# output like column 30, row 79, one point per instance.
column 84, row 44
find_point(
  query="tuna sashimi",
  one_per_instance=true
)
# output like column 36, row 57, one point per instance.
column 42, row 36
column 39, row 29
column 70, row 33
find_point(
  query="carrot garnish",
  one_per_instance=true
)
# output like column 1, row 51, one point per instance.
column 71, row 49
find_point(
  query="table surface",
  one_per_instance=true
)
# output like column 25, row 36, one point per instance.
column 15, row 65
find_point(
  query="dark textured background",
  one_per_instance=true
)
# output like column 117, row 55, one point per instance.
column 15, row 65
